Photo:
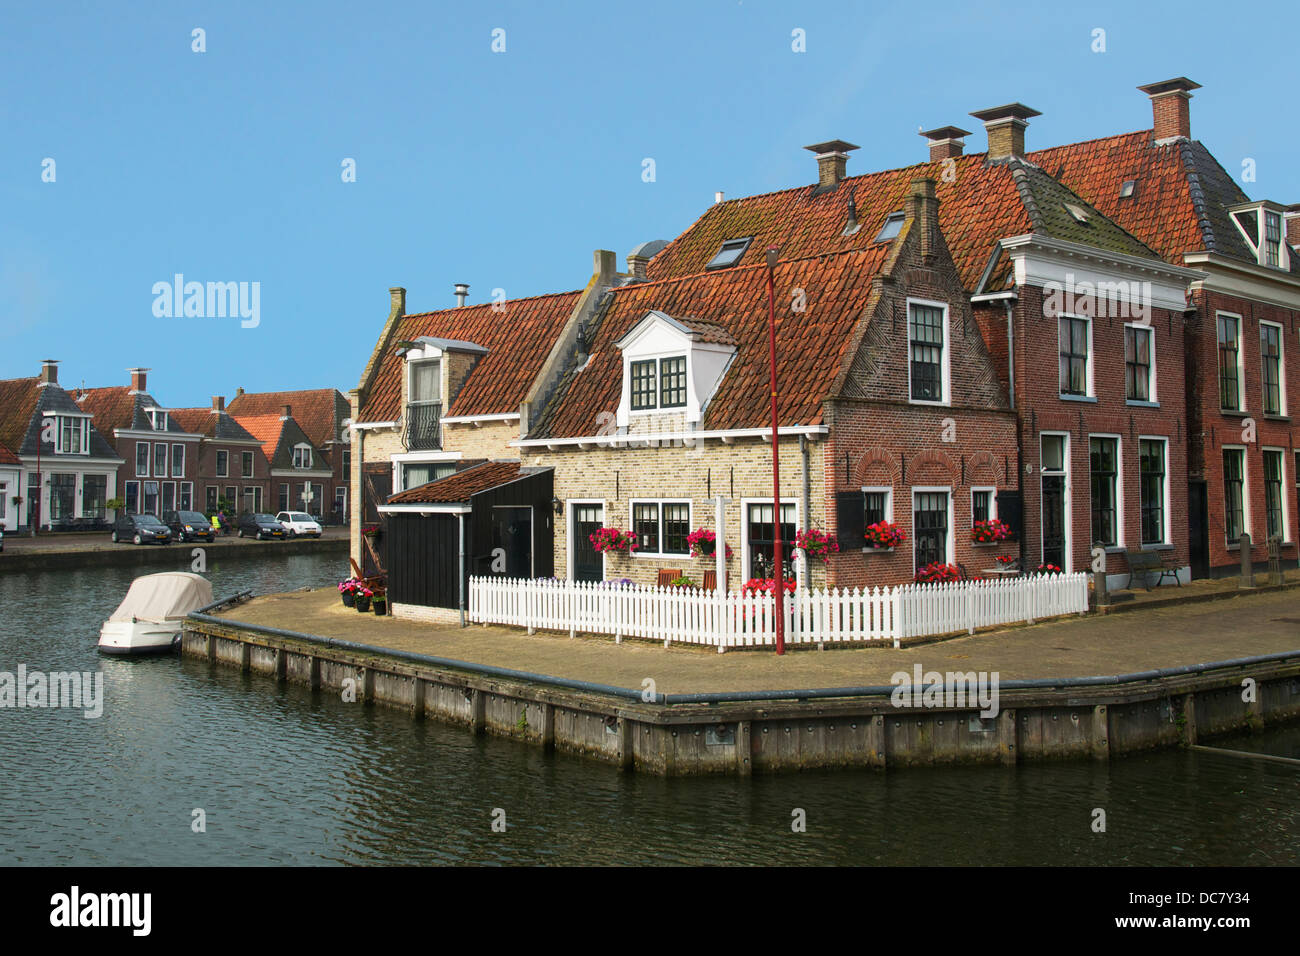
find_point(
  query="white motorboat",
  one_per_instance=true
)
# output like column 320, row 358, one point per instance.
column 149, row 619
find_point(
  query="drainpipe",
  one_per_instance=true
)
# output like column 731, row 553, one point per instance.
column 460, row 580
column 807, row 493
column 1011, row 353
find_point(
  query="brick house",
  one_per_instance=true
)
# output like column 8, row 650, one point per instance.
column 231, row 464
column 323, row 415
column 63, row 476
column 298, row 474
column 159, row 456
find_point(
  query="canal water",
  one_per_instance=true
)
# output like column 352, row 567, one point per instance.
column 283, row 775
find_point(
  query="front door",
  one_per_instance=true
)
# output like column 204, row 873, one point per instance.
column 1055, row 453
column 512, row 541
column 588, row 565
column 1198, row 529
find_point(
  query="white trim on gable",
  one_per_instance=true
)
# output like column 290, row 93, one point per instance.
column 660, row 336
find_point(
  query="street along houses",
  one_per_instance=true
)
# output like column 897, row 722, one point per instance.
column 57, row 474
column 313, row 472
column 159, row 456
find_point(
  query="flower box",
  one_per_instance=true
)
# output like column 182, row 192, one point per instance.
column 703, row 543
column 607, row 540
column 817, row 545
column 884, row 534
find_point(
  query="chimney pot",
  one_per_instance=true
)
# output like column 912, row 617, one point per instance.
column 49, row 372
column 218, row 403
column 462, row 290
column 286, row 411
column 138, row 379
column 239, row 391
column 1006, row 129
column 945, row 142
column 1170, row 108
column 397, row 300
column 717, row 197
column 832, row 158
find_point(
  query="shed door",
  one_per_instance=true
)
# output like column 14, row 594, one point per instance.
column 588, row 565
column 512, row 541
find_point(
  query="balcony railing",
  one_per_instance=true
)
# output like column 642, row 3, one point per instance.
column 423, row 426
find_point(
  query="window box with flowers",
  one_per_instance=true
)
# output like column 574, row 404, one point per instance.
column 817, row 545
column 937, row 572
column 990, row 532
column 883, row 536
column 764, row 585
column 702, row 543
column 1046, row 569
column 612, row 541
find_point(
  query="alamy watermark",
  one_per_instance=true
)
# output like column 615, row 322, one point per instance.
column 1115, row 300
column 932, row 689
column 57, row 689
column 212, row 300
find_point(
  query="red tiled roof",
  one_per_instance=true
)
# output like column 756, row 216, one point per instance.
column 810, row 346
column 265, row 428
column 1160, row 212
column 196, row 421
column 17, row 401
column 978, row 206
column 318, row 411
column 7, row 457
column 459, row 486
column 113, row 406
column 518, row 341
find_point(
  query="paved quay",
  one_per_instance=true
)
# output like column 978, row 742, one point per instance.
column 1163, row 634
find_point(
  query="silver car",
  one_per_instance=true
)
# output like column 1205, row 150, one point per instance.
column 299, row 524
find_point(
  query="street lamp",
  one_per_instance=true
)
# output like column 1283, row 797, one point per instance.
column 779, row 577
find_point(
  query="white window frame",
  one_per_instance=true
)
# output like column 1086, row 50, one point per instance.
column 993, row 502
column 1281, row 368
column 1241, row 359
column 148, row 455
column 178, row 472
column 744, row 525
column 430, row 355
column 158, row 419
column 216, row 464
column 1090, row 362
column 569, row 532
column 1258, row 242
column 1068, row 518
column 660, row 502
column 185, row 489
column 950, row 546
column 1119, row 488
column 166, row 460
column 1286, row 511
column 1166, row 504
column 1246, row 528
column 888, row 492
column 252, row 471
column 83, row 442
column 302, row 456
column 945, row 364
column 1153, row 396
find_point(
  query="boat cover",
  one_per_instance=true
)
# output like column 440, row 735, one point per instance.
column 157, row 597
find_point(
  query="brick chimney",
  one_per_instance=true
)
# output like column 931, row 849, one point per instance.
column 832, row 157
column 1292, row 219
column 1006, row 128
column 286, row 411
column 218, row 403
column 638, row 260
column 1170, row 108
column 397, row 300
column 923, row 208
column 138, row 378
column 49, row 372
column 239, row 390
column 945, row 142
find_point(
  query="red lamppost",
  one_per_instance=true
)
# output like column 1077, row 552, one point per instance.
column 777, row 556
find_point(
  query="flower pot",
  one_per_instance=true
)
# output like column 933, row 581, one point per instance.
column 381, row 607
column 348, row 599
column 362, row 604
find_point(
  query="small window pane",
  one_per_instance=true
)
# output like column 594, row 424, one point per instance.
column 643, row 384
column 645, row 522
column 672, row 376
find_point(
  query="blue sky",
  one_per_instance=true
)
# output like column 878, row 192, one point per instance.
column 504, row 170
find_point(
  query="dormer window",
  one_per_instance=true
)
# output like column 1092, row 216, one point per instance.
column 72, row 436
column 302, row 455
column 659, row 383
column 671, row 365
column 158, row 418
column 892, row 227
column 1261, row 225
column 730, row 253
column 424, row 397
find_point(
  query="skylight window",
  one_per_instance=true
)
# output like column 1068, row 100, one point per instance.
column 893, row 224
column 1126, row 190
column 730, row 253
column 1078, row 212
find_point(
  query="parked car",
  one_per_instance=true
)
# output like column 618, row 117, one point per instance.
column 299, row 523
column 189, row 526
column 141, row 529
column 260, row 526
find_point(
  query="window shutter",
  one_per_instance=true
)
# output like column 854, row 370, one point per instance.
column 1010, row 509
column 850, row 519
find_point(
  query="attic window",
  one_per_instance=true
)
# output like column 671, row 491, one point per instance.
column 893, row 225
column 1126, row 190
column 1262, row 229
column 730, row 253
column 1078, row 212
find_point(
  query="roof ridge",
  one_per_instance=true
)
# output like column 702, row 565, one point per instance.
column 488, row 305
column 873, row 249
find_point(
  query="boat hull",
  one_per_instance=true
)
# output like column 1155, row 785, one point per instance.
column 130, row 638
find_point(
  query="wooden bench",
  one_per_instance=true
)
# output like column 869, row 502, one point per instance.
column 1146, row 563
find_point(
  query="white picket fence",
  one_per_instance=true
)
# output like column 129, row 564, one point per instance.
column 812, row 615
